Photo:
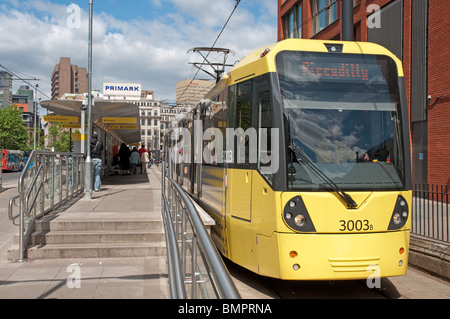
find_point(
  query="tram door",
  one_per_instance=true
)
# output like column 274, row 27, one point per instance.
column 239, row 192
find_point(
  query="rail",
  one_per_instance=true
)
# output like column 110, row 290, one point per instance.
column 431, row 212
column 192, row 257
column 48, row 180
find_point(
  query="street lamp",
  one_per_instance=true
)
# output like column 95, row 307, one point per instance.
column 88, row 163
column 35, row 113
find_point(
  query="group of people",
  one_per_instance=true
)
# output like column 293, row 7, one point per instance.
column 129, row 161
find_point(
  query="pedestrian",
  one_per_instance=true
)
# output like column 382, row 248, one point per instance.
column 140, row 151
column 124, row 159
column 134, row 159
column 96, row 154
column 150, row 161
column 144, row 160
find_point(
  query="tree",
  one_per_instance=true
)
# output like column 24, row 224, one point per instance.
column 13, row 134
column 59, row 138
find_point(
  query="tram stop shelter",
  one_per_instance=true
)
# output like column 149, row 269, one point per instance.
column 116, row 122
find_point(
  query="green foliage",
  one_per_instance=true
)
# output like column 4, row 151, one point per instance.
column 13, row 134
column 59, row 138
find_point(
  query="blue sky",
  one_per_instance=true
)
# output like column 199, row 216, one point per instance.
column 142, row 41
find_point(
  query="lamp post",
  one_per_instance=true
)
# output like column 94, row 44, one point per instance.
column 88, row 163
column 35, row 113
column 347, row 28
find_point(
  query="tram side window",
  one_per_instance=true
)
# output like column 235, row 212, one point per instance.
column 244, row 121
column 265, row 123
column 205, row 116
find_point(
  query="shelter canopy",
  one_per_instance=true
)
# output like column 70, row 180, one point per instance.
column 101, row 108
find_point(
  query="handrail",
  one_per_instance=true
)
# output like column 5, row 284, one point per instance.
column 12, row 217
column 42, row 180
column 221, row 281
column 29, row 193
column 176, row 286
column 226, row 286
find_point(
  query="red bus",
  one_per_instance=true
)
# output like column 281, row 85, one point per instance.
column 12, row 160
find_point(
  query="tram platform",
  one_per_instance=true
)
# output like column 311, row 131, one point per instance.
column 99, row 268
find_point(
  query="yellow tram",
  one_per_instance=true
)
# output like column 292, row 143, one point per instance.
column 301, row 155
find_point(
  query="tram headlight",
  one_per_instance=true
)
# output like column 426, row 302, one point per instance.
column 296, row 216
column 400, row 214
column 397, row 219
column 300, row 220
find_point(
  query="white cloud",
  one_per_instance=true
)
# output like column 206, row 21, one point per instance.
column 151, row 51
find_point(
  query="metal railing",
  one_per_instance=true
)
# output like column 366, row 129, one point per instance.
column 430, row 217
column 49, row 179
column 191, row 255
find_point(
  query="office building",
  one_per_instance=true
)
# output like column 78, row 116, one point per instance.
column 68, row 78
column 5, row 89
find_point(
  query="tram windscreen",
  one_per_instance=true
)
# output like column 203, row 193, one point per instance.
column 343, row 112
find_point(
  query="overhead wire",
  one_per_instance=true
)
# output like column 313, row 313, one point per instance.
column 26, row 81
column 206, row 57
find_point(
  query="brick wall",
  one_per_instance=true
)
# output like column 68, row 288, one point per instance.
column 439, row 89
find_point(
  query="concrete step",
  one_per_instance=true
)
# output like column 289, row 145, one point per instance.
column 110, row 250
column 93, row 224
column 97, row 236
column 91, row 236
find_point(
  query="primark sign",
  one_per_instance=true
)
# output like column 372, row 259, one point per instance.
column 122, row 89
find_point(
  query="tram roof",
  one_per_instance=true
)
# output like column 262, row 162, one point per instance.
column 101, row 108
column 262, row 60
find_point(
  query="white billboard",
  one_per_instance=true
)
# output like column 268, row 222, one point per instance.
column 122, row 89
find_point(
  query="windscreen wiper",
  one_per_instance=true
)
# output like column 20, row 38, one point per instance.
column 302, row 158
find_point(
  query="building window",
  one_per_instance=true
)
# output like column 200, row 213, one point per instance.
column 324, row 13
column 293, row 23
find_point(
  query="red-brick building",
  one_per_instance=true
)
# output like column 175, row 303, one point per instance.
column 418, row 32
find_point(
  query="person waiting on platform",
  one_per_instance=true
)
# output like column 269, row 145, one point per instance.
column 144, row 160
column 134, row 159
column 140, row 151
column 96, row 154
column 124, row 159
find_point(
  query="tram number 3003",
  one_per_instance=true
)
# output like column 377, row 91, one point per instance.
column 358, row 225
